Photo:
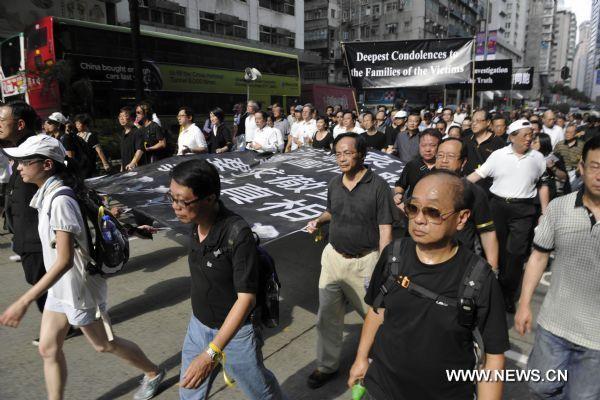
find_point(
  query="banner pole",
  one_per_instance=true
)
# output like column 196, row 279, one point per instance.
column 349, row 76
column 473, row 55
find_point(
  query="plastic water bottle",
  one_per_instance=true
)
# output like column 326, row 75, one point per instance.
column 358, row 390
column 108, row 228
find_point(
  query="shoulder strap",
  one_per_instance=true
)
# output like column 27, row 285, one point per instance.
column 66, row 191
column 234, row 231
column 393, row 268
column 472, row 281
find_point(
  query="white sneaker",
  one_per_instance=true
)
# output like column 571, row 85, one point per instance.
column 15, row 258
column 149, row 387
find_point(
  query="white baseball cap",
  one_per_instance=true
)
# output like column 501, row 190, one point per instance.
column 518, row 124
column 57, row 117
column 401, row 114
column 38, row 145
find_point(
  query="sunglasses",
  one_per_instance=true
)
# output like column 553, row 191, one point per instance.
column 27, row 163
column 431, row 214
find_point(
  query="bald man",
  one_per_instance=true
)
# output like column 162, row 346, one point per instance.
column 432, row 262
column 556, row 133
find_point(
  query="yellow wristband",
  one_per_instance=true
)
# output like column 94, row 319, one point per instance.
column 215, row 348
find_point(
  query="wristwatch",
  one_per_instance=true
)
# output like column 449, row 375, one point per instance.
column 214, row 356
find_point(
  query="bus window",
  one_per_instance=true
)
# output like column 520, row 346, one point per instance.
column 37, row 38
column 10, row 56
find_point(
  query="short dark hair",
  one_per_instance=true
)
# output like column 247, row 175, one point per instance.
column 263, row 113
column 359, row 142
column 441, row 121
column 328, row 107
column 188, row 111
column 84, row 119
column 129, row 111
column 324, row 118
column 486, row 113
column 26, row 113
column 591, row 144
column 200, row 176
column 463, row 196
column 146, row 108
column 351, row 113
column 219, row 113
column 431, row 132
column 447, row 109
column 499, row 117
column 455, row 127
column 369, row 113
column 464, row 151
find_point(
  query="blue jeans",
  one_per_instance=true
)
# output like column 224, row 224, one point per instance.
column 244, row 362
column 551, row 352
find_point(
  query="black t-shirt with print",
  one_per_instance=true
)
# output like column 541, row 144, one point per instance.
column 419, row 339
column 376, row 141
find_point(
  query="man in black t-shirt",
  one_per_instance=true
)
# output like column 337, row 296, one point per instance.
column 155, row 141
column 225, row 279
column 421, row 340
column 452, row 156
column 374, row 138
column 132, row 141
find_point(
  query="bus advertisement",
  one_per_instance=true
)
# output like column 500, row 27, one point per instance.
column 77, row 66
column 12, row 68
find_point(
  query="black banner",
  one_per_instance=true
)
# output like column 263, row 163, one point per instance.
column 489, row 75
column 277, row 196
column 523, row 78
column 409, row 63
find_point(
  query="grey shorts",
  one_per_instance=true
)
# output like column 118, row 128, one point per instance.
column 76, row 317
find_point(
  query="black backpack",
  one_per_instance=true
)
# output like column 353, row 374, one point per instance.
column 468, row 292
column 267, row 296
column 105, row 259
column 85, row 161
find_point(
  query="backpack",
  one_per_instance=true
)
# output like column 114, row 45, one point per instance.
column 86, row 162
column 466, row 303
column 106, row 259
column 267, row 295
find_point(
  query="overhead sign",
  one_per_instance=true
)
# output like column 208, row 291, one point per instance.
column 522, row 78
column 489, row 75
column 16, row 84
column 491, row 45
column 409, row 63
column 276, row 196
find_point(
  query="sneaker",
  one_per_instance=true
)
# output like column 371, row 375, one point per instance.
column 36, row 341
column 318, row 378
column 15, row 258
column 149, row 387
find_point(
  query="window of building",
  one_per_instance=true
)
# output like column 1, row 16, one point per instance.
column 333, row 13
column 315, row 35
column 319, row 13
column 507, row 25
column 171, row 17
column 391, row 28
column 282, row 6
column 346, row 35
column 393, row 6
column 376, row 9
column 277, row 36
column 223, row 24
column 407, row 24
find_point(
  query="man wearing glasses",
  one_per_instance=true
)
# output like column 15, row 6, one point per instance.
column 408, row 356
column 359, row 211
column 225, row 275
column 516, row 171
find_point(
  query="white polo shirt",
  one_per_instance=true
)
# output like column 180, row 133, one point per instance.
column 557, row 134
column 192, row 138
column 514, row 176
column 251, row 127
column 303, row 130
column 269, row 138
column 76, row 287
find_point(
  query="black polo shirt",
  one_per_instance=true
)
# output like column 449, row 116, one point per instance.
column 411, row 174
column 376, row 141
column 130, row 143
column 391, row 132
column 217, row 275
column 357, row 214
column 420, row 339
column 478, row 153
column 480, row 220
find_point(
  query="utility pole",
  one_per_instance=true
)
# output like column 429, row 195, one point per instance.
column 485, row 44
column 134, row 18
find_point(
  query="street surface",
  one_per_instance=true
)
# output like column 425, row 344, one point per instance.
column 149, row 304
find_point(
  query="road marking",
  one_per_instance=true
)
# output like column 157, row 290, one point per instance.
column 518, row 357
column 546, row 278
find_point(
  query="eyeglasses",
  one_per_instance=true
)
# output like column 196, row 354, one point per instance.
column 181, row 203
column 345, row 154
column 27, row 163
column 431, row 214
column 447, row 156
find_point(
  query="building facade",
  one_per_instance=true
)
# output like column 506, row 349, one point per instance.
column 580, row 58
column 592, row 81
column 564, row 45
column 509, row 19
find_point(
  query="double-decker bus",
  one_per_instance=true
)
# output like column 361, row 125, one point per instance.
column 12, row 68
column 77, row 66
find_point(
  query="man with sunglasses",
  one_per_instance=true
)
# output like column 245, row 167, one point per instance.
column 516, row 171
column 225, row 281
column 422, row 338
column 359, row 212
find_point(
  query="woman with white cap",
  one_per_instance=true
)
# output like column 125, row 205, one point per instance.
column 74, row 296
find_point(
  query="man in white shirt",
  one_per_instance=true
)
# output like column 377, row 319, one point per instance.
column 303, row 131
column 251, row 109
column 191, row 139
column 516, row 170
column 266, row 139
column 556, row 133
